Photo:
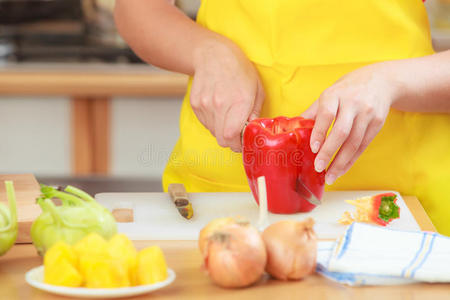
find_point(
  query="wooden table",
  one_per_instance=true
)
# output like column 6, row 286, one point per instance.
column 192, row 283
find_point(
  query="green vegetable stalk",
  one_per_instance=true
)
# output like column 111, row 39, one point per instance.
column 8, row 220
column 78, row 215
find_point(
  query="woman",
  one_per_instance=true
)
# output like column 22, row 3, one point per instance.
column 367, row 65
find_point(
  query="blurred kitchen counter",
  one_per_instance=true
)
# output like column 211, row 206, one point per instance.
column 89, row 79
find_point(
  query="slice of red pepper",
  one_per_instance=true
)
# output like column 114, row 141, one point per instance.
column 380, row 209
column 279, row 149
column 384, row 208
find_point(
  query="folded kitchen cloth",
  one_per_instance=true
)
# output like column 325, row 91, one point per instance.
column 373, row 255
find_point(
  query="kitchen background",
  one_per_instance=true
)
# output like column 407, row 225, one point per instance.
column 77, row 106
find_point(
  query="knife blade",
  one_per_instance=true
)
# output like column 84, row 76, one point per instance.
column 180, row 198
column 305, row 192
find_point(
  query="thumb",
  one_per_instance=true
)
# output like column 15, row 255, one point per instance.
column 311, row 112
column 259, row 100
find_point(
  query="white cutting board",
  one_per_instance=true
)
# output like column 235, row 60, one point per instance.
column 156, row 218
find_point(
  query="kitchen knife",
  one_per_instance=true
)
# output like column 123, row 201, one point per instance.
column 180, row 198
column 304, row 192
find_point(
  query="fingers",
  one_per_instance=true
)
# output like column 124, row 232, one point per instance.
column 200, row 98
column 256, row 111
column 234, row 122
column 223, row 120
column 326, row 112
column 372, row 130
column 224, row 114
column 259, row 100
column 232, row 115
column 348, row 149
column 339, row 133
column 238, row 113
column 219, row 123
column 311, row 112
column 224, row 104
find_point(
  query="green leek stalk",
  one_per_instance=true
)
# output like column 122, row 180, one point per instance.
column 8, row 220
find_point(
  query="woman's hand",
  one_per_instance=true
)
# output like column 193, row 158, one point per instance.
column 359, row 104
column 226, row 91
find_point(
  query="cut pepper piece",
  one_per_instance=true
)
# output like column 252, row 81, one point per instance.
column 380, row 209
column 279, row 150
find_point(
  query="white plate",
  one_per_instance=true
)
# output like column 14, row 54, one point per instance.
column 35, row 278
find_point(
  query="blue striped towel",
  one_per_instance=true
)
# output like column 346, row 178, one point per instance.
column 373, row 255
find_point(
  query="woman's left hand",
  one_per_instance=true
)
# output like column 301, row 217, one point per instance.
column 359, row 103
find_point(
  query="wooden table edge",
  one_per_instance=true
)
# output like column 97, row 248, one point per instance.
column 419, row 213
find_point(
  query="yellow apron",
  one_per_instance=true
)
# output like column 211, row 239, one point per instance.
column 300, row 47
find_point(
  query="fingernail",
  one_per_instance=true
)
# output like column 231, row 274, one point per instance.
column 315, row 147
column 330, row 178
column 320, row 165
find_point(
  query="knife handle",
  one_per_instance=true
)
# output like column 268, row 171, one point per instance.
column 178, row 194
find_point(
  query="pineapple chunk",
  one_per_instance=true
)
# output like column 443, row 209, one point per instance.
column 60, row 266
column 151, row 266
column 122, row 250
column 92, row 244
column 103, row 272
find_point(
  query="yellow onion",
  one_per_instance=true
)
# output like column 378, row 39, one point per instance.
column 234, row 255
column 291, row 249
column 209, row 229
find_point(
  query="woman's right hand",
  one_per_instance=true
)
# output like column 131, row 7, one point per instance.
column 226, row 90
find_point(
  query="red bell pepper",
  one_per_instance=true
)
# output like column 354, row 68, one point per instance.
column 279, row 150
column 380, row 209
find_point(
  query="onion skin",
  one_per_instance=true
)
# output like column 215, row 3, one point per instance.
column 209, row 229
column 291, row 249
column 235, row 256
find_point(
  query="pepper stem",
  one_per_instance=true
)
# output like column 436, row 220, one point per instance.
column 388, row 209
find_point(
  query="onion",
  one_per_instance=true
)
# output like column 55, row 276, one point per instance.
column 235, row 255
column 291, row 249
column 209, row 229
